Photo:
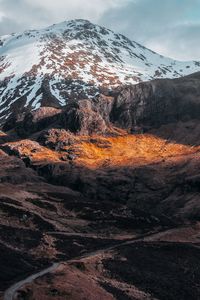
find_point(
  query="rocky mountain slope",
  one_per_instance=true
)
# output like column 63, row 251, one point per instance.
column 74, row 60
column 137, row 109
column 109, row 189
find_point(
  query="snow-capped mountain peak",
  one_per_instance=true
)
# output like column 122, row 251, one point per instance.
column 73, row 60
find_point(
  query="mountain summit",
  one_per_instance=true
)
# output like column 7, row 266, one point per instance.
column 74, row 60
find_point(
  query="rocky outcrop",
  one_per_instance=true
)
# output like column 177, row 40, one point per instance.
column 136, row 108
column 83, row 117
column 158, row 102
column 34, row 121
column 56, row 139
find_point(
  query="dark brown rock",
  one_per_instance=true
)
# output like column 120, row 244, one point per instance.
column 83, row 118
column 158, row 102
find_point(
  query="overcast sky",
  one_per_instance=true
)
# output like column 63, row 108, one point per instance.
column 170, row 27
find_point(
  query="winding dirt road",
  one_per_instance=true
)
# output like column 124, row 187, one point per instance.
column 11, row 292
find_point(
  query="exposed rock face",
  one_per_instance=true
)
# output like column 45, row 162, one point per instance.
column 158, row 102
column 56, row 138
column 137, row 108
column 83, row 118
column 34, row 121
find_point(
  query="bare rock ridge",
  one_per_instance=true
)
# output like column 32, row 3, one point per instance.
column 74, row 60
column 138, row 108
column 158, row 102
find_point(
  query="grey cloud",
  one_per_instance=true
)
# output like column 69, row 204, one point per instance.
column 19, row 15
column 182, row 42
column 164, row 26
column 25, row 14
column 167, row 26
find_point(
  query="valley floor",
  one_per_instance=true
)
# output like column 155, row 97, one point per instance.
column 116, row 216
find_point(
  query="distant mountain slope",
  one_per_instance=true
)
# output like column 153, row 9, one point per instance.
column 74, row 60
